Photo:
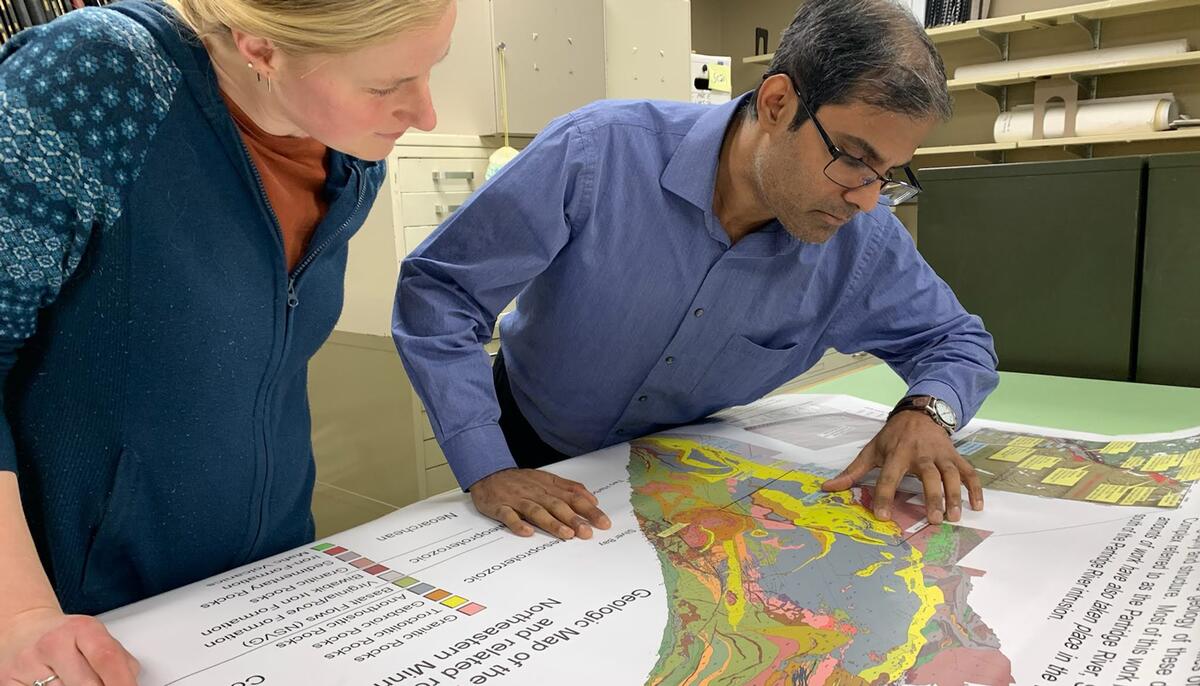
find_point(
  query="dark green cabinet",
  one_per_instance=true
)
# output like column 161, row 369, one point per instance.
column 1047, row 253
column 1168, row 345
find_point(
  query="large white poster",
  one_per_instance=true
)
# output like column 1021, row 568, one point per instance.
column 726, row 564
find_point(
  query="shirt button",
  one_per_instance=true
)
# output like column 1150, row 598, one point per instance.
column 699, row 312
column 670, row 360
column 621, row 432
column 642, row 398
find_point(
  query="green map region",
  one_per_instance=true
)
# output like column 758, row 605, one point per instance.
column 773, row 582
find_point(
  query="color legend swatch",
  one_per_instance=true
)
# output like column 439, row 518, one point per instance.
column 401, row 580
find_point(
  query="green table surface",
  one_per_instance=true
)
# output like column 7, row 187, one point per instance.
column 1106, row 407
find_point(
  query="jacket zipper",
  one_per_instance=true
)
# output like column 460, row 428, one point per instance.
column 312, row 255
column 292, row 302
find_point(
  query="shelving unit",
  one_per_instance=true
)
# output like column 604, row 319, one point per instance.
column 997, row 29
column 1079, row 71
column 1088, row 17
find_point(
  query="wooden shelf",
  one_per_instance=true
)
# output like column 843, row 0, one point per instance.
column 996, row 27
column 966, row 149
column 1167, row 62
column 978, row 28
column 1045, row 19
column 990, row 149
column 1181, row 134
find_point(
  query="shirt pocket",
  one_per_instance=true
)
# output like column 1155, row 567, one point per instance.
column 742, row 372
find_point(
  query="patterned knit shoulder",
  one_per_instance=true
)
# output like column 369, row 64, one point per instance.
column 80, row 100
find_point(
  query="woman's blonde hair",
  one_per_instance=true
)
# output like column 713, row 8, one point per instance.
column 301, row 27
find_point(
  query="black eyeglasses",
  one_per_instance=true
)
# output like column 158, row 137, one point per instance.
column 852, row 173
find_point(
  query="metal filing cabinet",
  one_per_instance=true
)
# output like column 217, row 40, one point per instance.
column 1168, row 349
column 1047, row 254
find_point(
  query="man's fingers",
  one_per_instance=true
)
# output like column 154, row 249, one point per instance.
column 567, row 515
column 509, row 517
column 935, row 502
column 863, row 463
column 952, row 482
column 885, row 488
column 575, row 489
column 971, row 477
column 594, row 515
column 540, row 517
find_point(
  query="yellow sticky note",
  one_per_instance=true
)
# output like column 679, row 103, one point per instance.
column 719, row 78
column 1190, row 473
column 1137, row 494
column 1038, row 462
column 1161, row 463
column 1011, row 454
column 1190, row 458
column 1026, row 442
column 1065, row 477
column 1170, row 500
column 1107, row 493
column 1117, row 447
column 1133, row 463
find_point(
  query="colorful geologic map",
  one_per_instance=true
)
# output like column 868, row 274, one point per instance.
column 791, row 585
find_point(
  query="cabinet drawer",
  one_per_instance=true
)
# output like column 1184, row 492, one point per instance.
column 431, row 453
column 439, row 480
column 423, row 209
column 420, row 175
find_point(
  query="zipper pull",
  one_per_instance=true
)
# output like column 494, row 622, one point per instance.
column 291, row 292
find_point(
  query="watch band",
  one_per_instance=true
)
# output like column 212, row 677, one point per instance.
column 927, row 405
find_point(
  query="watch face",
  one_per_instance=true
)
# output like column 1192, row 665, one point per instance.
column 945, row 412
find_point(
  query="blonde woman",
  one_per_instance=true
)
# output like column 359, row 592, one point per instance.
column 178, row 184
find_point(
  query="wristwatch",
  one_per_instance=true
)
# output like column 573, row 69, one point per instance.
column 938, row 410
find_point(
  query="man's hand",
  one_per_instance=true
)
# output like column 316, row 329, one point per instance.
column 911, row 442
column 518, row 498
column 78, row 650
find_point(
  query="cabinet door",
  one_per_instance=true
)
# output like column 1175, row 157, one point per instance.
column 462, row 85
column 554, row 57
column 1046, row 253
column 1170, row 316
column 648, row 45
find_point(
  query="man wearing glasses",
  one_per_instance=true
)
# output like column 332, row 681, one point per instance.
column 675, row 259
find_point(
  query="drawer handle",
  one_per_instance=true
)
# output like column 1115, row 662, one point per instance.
column 443, row 210
column 447, row 176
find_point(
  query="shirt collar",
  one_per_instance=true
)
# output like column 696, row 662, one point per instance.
column 692, row 172
column 692, row 175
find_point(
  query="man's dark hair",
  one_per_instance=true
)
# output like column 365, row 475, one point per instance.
column 870, row 51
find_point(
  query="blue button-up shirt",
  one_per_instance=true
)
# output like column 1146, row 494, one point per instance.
column 634, row 311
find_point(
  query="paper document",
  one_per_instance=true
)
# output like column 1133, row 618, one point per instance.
column 726, row 564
